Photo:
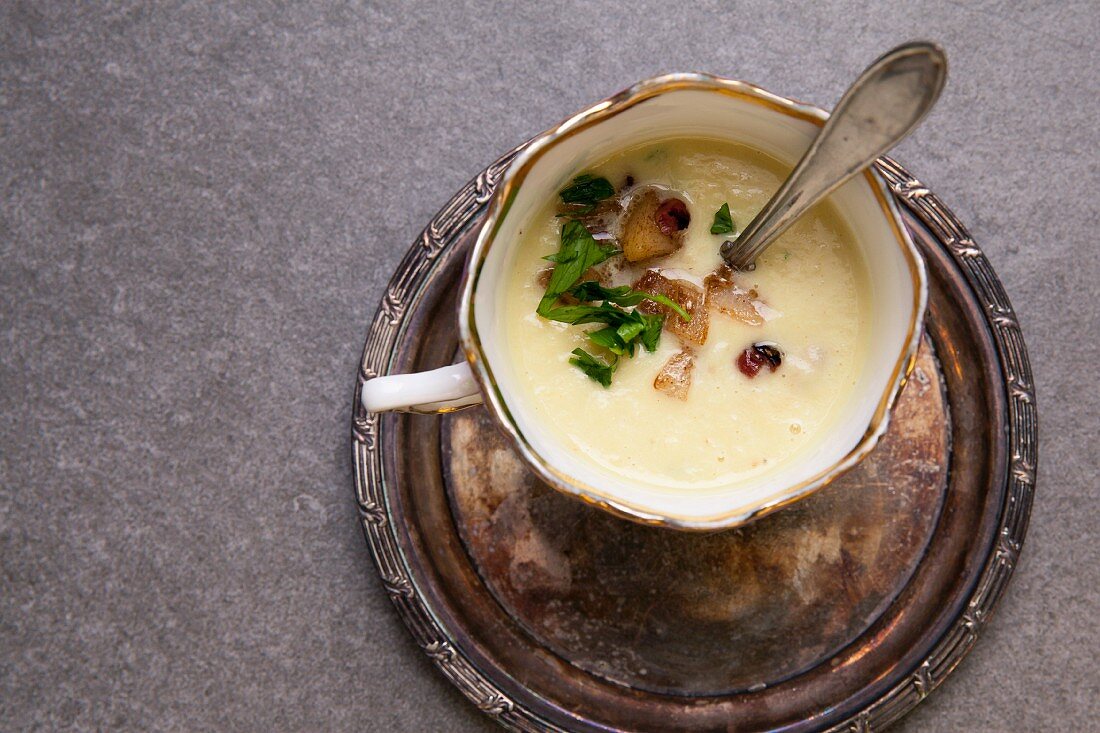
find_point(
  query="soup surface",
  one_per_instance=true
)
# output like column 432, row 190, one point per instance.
column 808, row 296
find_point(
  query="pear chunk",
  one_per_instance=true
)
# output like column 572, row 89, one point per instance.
column 683, row 293
column 653, row 227
column 724, row 295
column 674, row 379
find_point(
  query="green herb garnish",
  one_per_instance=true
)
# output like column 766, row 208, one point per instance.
column 580, row 314
column 579, row 251
column 624, row 296
column 723, row 221
column 622, row 329
column 651, row 336
column 610, row 339
column 628, row 327
column 606, row 313
column 587, row 189
column 593, row 367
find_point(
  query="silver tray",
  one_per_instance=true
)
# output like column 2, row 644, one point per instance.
column 857, row 602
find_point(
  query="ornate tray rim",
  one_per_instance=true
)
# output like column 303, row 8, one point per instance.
column 401, row 296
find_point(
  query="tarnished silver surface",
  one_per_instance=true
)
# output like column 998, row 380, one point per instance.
column 708, row 614
column 895, row 663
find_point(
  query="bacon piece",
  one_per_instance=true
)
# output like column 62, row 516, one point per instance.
column 542, row 276
column 601, row 220
column 686, row 295
column 724, row 294
column 652, row 227
column 674, row 379
column 605, row 272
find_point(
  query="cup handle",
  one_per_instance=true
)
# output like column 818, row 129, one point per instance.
column 439, row 390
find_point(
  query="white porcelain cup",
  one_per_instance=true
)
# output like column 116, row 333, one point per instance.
column 678, row 105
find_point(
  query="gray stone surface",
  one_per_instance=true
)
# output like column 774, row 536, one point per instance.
column 200, row 206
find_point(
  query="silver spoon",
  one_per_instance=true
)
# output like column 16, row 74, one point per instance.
column 885, row 103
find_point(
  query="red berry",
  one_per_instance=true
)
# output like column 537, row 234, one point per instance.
column 672, row 216
column 756, row 357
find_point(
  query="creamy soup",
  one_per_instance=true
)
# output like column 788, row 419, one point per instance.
column 689, row 414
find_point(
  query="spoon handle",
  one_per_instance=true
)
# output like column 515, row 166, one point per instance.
column 884, row 104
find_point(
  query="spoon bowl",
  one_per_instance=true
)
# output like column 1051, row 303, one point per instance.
column 883, row 105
